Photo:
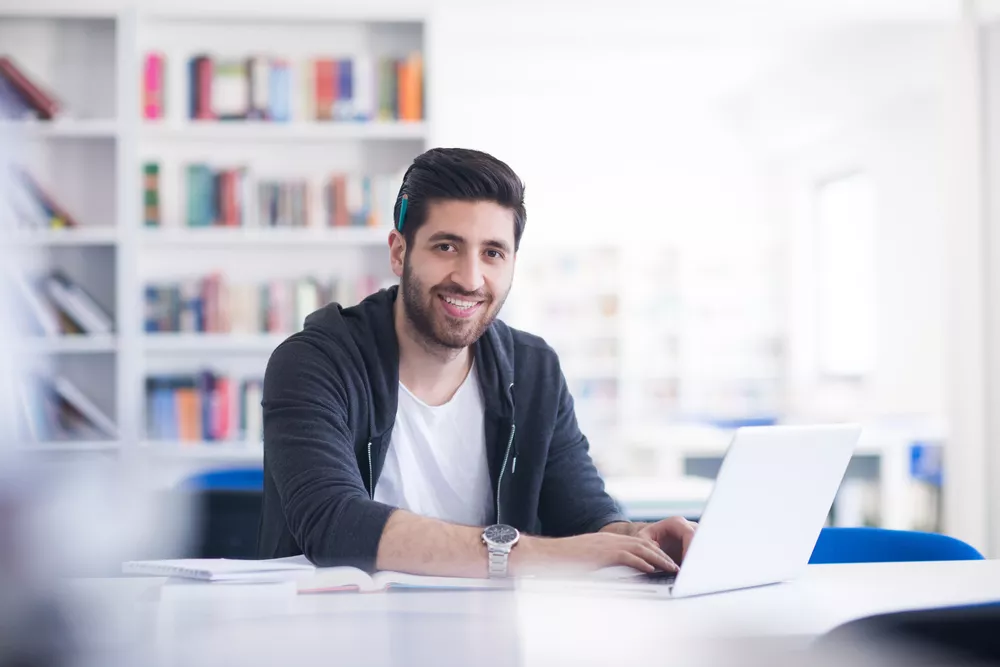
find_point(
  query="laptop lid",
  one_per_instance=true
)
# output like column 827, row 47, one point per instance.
column 769, row 503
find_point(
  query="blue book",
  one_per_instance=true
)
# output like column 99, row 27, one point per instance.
column 279, row 93
column 344, row 106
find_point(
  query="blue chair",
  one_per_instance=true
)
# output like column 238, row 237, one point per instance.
column 230, row 479
column 880, row 545
column 226, row 506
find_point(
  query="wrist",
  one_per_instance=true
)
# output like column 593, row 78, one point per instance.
column 530, row 554
column 628, row 528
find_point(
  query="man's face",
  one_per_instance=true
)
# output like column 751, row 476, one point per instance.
column 458, row 271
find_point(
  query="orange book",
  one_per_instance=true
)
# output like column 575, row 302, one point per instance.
column 411, row 88
column 343, row 216
column 188, row 414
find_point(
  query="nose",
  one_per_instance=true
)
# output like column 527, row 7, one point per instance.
column 468, row 272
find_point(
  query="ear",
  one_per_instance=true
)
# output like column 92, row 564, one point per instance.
column 397, row 251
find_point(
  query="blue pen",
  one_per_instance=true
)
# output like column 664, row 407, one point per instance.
column 402, row 211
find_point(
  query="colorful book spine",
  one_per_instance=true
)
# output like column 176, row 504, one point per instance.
column 212, row 305
column 205, row 406
column 345, row 89
column 42, row 102
column 151, row 194
column 153, row 81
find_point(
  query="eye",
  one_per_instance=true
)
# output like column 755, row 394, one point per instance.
column 446, row 247
column 494, row 254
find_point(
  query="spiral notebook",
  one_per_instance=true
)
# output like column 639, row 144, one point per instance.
column 222, row 569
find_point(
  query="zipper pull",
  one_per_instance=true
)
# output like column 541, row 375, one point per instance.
column 513, row 466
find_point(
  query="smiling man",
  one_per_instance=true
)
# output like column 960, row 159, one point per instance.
column 416, row 432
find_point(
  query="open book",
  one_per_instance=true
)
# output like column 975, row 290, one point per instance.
column 345, row 579
column 308, row 577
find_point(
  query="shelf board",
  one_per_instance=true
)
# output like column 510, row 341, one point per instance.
column 60, row 129
column 249, row 236
column 243, row 130
column 71, row 446
column 68, row 344
column 206, row 451
column 76, row 236
column 212, row 342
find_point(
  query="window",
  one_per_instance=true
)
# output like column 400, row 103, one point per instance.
column 845, row 237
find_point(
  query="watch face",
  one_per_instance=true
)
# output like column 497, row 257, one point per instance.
column 500, row 535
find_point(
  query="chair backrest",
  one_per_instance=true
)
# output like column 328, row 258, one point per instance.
column 228, row 479
column 226, row 505
column 880, row 545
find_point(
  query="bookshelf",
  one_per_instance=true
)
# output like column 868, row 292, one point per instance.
column 60, row 129
column 62, row 222
column 92, row 158
column 268, row 261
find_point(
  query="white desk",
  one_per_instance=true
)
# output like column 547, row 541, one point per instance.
column 264, row 625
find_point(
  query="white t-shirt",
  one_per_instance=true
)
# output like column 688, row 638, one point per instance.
column 436, row 464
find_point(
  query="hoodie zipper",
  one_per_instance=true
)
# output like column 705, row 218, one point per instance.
column 371, row 473
column 506, row 456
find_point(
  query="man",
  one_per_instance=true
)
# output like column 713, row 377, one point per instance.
column 415, row 432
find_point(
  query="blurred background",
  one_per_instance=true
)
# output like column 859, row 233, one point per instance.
column 738, row 213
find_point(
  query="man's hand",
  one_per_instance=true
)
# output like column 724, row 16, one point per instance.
column 673, row 535
column 534, row 555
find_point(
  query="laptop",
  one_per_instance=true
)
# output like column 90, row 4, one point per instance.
column 769, row 503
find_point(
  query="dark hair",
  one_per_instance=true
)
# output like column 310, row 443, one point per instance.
column 462, row 174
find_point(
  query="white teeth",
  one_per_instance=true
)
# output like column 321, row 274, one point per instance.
column 459, row 303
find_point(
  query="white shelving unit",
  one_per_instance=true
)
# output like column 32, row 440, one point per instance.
column 81, row 59
column 93, row 155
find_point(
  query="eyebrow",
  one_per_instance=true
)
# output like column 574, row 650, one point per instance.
column 455, row 238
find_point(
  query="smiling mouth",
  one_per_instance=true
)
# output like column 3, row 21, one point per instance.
column 459, row 307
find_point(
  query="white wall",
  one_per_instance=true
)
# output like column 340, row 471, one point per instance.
column 898, row 149
column 865, row 99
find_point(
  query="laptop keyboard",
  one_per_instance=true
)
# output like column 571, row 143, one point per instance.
column 655, row 577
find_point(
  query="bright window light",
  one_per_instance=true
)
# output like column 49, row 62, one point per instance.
column 846, row 276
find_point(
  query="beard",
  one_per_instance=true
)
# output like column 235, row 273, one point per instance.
column 436, row 327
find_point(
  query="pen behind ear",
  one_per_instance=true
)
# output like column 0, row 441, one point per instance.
column 402, row 212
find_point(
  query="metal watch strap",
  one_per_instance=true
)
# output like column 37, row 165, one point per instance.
column 498, row 561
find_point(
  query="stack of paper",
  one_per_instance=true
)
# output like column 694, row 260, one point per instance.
column 223, row 569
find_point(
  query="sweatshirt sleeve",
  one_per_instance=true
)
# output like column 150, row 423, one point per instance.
column 573, row 499
column 309, row 453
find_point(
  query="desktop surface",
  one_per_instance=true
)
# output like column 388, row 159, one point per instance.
column 540, row 623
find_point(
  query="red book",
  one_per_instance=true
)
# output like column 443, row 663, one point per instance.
column 228, row 198
column 220, row 410
column 46, row 105
column 326, row 88
column 204, row 110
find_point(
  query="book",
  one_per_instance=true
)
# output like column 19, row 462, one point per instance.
column 54, row 409
column 213, row 305
column 152, row 86
column 221, row 569
column 71, row 394
column 151, row 194
column 75, row 302
column 204, row 407
column 43, row 313
column 354, row 580
column 308, row 578
column 258, row 87
column 32, row 94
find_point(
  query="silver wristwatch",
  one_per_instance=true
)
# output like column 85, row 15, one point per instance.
column 499, row 540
